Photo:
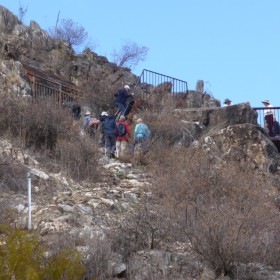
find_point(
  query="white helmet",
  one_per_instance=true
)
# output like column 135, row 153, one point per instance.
column 126, row 87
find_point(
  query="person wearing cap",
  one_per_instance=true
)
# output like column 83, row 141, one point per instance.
column 227, row 102
column 86, row 119
column 268, row 116
column 102, row 118
column 120, row 98
column 122, row 140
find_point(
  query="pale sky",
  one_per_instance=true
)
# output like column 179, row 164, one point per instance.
column 233, row 45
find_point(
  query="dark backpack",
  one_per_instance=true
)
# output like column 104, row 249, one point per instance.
column 121, row 131
column 117, row 93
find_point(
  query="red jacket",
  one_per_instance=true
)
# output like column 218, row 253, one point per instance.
column 127, row 129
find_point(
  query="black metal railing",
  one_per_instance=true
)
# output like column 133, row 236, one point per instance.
column 46, row 85
column 261, row 114
column 150, row 80
column 56, row 92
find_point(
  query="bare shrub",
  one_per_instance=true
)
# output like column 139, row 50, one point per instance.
column 8, row 215
column 144, row 229
column 96, row 262
column 50, row 129
column 70, row 31
column 12, row 176
column 130, row 55
column 78, row 157
column 98, row 96
column 224, row 213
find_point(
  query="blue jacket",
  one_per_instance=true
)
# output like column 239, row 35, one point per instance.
column 141, row 131
column 86, row 121
column 122, row 96
column 109, row 126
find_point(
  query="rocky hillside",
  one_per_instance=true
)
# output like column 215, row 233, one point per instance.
column 203, row 203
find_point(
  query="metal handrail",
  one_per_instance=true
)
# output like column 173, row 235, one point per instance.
column 177, row 87
column 260, row 111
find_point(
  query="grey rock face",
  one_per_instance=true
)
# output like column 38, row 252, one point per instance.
column 7, row 19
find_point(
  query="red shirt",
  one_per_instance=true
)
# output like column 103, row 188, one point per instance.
column 127, row 129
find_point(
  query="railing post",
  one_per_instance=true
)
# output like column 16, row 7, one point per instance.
column 33, row 88
column 29, row 200
column 60, row 95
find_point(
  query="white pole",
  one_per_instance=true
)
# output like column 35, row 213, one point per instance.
column 29, row 199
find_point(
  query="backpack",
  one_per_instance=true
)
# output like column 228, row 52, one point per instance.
column 121, row 131
column 117, row 93
column 93, row 122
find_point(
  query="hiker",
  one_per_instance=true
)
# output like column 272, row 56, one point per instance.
column 268, row 116
column 227, row 102
column 109, row 130
column 102, row 118
column 275, row 128
column 141, row 135
column 129, row 105
column 90, row 124
column 120, row 98
column 86, row 120
column 76, row 111
column 123, row 133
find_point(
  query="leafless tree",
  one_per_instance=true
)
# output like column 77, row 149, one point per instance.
column 21, row 12
column 70, row 31
column 129, row 55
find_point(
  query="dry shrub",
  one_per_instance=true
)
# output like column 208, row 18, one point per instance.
column 49, row 129
column 96, row 262
column 144, row 229
column 8, row 214
column 78, row 157
column 12, row 176
column 37, row 123
column 225, row 213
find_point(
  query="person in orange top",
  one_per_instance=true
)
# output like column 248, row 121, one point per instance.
column 122, row 138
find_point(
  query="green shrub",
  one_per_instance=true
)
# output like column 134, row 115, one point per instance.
column 22, row 256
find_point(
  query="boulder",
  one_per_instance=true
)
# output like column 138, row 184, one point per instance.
column 245, row 144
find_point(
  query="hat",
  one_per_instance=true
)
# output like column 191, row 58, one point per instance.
column 104, row 113
column 87, row 112
column 126, row 87
column 122, row 117
column 139, row 120
column 266, row 101
column 227, row 101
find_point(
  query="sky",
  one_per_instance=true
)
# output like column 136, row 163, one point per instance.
column 232, row 45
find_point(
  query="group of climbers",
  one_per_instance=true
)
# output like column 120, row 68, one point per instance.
column 115, row 134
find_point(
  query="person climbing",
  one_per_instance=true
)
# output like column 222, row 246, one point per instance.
column 121, row 97
column 76, row 111
column 268, row 116
column 123, row 133
column 227, row 102
column 109, row 130
column 275, row 128
column 86, row 120
column 102, row 118
column 141, row 135
column 90, row 124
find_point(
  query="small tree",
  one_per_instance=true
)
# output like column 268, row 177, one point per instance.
column 69, row 31
column 129, row 55
column 21, row 12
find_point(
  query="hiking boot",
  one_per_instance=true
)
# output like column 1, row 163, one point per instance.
column 112, row 155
